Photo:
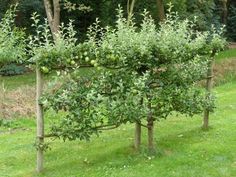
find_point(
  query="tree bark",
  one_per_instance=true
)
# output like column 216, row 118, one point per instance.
column 224, row 12
column 137, row 139
column 40, row 120
column 160, row 10
column 57, row 11
column 53, row 15
column 150, row 125
column 130, row 10
column 209, row 82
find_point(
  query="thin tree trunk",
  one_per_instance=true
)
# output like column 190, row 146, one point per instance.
column 48, row 9
column 40, row 120
column 130, row 10
column 57, row 11
column 150, row 125
column 137, row 134
column 209, row 82
column 160, row 10
column 224, row 11
column 53, row 15
column 137, row 139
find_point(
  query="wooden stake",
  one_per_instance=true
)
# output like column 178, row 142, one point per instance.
column 40, row 120
column 137, row 139
column 150, row 125
column 209, row 81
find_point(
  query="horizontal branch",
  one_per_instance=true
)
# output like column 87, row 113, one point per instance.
column 108, row 128
column 143, row 125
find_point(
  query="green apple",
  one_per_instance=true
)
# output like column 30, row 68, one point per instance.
column 86, row 59
column 44, row 69
column 92, row 62
column 95, row 65
column 72, row 62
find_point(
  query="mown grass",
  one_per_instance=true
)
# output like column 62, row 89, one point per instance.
column 183, row 148
column 17, row 81
column 224, row 55
column 30, row 79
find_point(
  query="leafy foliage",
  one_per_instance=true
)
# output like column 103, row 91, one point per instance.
column 12, row 44
column 50, row 53
column 231, row 26
column 12, row 69
column 146, row 71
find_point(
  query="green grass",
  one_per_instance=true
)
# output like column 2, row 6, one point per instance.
column 30, row 79
column 227, row 54
column 183, row 149
column 16, row 81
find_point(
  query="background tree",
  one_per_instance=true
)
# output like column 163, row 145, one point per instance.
column 53, row 9
column 12, row 42
column 161, row 10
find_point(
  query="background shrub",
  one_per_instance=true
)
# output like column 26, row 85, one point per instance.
column 12, row 69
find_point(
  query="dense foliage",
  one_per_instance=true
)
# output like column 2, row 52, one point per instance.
column 12, row 43
column 208, row 12
column 12, row 69
column 147, row 72
column 231, row 26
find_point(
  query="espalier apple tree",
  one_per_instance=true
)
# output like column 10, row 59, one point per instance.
column 144, row 74
column 141, row 74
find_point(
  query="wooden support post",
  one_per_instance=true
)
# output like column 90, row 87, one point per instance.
column 137, row 139
column 209, row 82
column 40, row 120
column 150, row 135
column 150, row 126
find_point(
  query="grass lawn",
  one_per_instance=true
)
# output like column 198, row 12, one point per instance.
column 13, row 82
column 230, row 53
column 183, row 149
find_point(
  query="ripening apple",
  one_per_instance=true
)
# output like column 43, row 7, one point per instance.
column 45, row 69
column 95, row 65
column 72, row 62
column 92, row 62
column 86, row 59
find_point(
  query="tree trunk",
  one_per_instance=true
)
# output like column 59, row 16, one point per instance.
column 224, row 11
column 137, row 139
column 40, row 120
column 160, row 10
column 57, row 11
column 150, row 125
column 53, row 15
column 138, row 131
column 130, row 10
column 209, row 82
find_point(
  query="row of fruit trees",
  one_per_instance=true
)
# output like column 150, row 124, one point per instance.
column 140, row 74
